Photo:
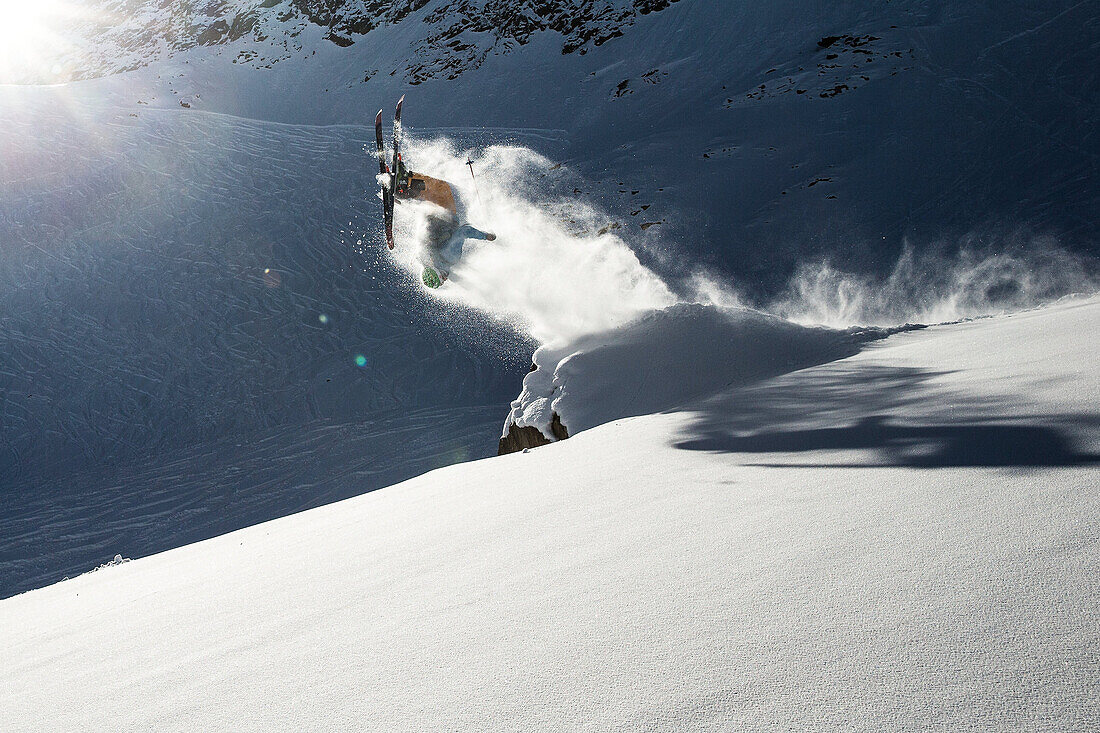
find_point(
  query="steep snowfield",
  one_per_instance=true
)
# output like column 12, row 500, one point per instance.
column 198, row 332
column 901, row 538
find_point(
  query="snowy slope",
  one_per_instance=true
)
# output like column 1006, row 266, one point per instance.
column 190, row 265
column 901, row 538
column 449, row 36
column 183, row 301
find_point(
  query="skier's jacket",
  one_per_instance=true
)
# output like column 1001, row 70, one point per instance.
column 446, row 240
column 445, row 236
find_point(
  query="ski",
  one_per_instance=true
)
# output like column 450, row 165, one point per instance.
column 396, row 151
column 387, row 195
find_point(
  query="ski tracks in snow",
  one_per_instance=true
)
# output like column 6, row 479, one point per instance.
column 176, row 287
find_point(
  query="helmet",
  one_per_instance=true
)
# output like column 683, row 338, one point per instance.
column 431, row 278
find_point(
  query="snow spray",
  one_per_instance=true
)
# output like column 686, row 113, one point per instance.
column 931, row 286
column 550, row 271
column 554, row 273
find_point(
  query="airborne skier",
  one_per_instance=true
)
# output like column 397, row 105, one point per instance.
column 446, row 237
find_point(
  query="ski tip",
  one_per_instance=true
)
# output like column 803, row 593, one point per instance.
column 401, row 101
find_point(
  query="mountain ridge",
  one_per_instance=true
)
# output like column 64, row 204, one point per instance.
column 457, row 35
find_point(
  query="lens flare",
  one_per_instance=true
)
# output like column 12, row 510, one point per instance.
column 35, row 39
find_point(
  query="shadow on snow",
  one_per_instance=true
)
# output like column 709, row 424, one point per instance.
column 888, row 413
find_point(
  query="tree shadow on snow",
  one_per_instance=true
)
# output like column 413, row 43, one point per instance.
column 894, row 414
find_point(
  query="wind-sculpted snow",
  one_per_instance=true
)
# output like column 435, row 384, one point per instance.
column 661, row 361
column 177, row 285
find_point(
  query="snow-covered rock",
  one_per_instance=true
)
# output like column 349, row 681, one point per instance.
column 659, row 362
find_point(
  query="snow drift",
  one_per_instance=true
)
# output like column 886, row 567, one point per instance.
column 662, row 360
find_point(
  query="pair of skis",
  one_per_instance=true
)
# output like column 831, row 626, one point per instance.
column 389, row 191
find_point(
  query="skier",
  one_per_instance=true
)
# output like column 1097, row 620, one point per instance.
column 446, row 237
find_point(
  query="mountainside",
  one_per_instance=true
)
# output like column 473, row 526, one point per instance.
column 195, row 337
column 192, row 279
column 122, row 35
column 743, row 137
column 811, row 288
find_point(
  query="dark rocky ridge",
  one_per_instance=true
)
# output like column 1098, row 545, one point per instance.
column 459, row 34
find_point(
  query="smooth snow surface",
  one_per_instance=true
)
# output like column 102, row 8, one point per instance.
column 904, row 538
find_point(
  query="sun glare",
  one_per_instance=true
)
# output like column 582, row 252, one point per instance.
column 33, row 39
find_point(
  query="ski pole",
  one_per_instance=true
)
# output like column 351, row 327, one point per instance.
column 470, row 163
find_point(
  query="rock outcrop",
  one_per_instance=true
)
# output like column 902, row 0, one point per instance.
column 521, row 438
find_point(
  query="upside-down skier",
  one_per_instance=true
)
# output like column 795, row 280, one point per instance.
column 446, row 235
